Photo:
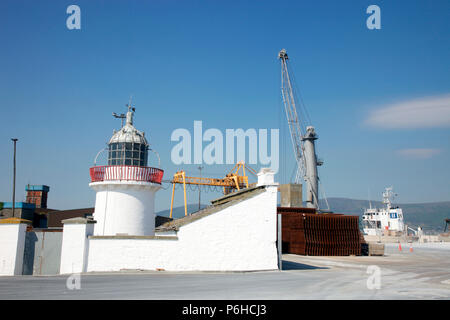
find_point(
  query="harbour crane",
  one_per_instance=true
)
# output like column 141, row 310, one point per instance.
column 303, row 137
column 233, row 181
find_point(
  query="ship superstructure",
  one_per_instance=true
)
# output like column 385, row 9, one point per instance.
column 390, row 218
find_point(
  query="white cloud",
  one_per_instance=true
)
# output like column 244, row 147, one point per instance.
column 419, row 153
column 429, row 112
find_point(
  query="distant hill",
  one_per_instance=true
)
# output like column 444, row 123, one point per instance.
column 430, row 216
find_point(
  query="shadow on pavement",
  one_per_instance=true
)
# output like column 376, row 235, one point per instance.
column 289, row 265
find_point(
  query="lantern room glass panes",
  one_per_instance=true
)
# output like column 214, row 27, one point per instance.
column 127, row 153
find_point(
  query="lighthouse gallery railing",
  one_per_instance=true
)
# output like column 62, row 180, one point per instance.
column 128, row 173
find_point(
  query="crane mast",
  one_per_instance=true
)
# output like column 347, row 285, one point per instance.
column 302, row 139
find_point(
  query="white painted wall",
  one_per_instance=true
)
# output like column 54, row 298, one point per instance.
column 266, row 177
column 75, row 246
column 124, row 207
column 241, row 237
column 12, row 245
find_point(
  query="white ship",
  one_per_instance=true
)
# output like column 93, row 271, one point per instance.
column 377, row 221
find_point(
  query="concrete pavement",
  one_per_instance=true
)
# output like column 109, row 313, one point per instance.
column 421, row 274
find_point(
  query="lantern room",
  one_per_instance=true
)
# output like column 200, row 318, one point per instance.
column 128, row 146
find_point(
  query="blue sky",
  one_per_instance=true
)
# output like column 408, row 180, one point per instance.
column 216, row 61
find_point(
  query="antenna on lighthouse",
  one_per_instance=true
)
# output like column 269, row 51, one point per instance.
column 130, row 108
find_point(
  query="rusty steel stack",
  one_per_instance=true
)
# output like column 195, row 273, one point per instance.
column 306, row 233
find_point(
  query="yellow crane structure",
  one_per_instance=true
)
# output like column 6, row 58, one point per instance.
column 233, row 181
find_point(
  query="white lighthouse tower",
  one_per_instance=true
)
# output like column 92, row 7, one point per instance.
column 126, row 187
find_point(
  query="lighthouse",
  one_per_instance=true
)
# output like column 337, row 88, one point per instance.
column 126, row 187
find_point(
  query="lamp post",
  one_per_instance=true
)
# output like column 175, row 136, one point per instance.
column 14, row 178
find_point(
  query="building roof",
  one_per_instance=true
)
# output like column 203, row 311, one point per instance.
column 78, row 220
column 80, row 211
column 43, row 211
column 37, row 188
column 217, row 205
column 54, row 218
column 19, row 205
column 14, row 220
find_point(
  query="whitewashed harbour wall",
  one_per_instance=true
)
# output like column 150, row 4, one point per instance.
column 241, row 237
column 75, row 245
column 12, row 244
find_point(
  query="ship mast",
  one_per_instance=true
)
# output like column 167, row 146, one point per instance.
column 388, row 197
